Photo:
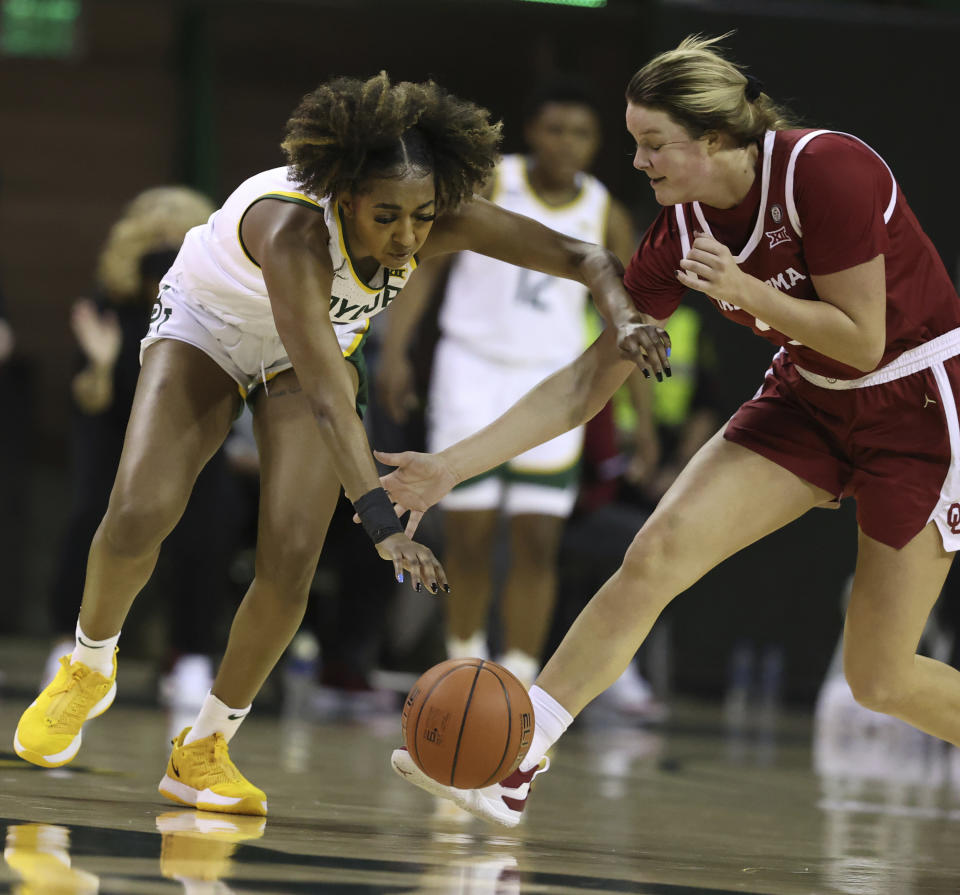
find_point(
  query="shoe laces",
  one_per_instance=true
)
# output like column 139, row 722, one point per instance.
column 215, row 764
column 71, row 702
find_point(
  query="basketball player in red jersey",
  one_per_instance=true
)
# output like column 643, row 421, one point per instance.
column 805, row 237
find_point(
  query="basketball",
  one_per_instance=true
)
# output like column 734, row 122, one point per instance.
column 467, row 723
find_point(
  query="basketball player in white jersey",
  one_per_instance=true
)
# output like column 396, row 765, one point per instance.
column 503, row 329
column 269, row 302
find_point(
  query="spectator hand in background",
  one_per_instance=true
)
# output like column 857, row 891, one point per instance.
column 98, row 334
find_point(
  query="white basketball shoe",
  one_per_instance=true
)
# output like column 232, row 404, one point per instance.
column 502, row 803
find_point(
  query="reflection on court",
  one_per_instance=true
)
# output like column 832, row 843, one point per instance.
column 703, row 806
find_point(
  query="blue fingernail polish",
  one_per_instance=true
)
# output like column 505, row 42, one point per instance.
column 668, row 351
column 400, row 577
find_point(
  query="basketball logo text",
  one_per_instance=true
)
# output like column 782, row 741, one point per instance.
column 777, row 237
column 953, row 518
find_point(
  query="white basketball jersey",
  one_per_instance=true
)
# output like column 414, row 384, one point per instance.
column 214, row 269
column 514, row 315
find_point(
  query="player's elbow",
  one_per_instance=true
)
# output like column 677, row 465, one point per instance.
column 867, row 353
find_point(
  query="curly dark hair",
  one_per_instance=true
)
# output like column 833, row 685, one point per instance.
column 348, row 130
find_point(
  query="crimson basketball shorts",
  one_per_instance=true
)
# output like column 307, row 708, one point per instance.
column 890, row 439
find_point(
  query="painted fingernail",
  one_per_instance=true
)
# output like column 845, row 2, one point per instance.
column 400, row 577
column 446, row 587
column 419, row 587
column 659, row 377
column 646, row 373
column 434, row 587
column 668, row 371
column 668, row 351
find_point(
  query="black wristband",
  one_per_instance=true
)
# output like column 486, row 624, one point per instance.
column 377, row 516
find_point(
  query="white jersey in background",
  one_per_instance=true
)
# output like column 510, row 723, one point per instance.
column 517, row 316
column 214, row 271
column 502, row 330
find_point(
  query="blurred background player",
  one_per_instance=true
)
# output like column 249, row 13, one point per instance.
column 502, row 330
column 137, row 252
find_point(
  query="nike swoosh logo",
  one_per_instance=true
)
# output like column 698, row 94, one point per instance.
column 82, row 642
column 176, row 770
column 236, row 717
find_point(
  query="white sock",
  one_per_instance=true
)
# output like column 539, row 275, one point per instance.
column 474, row 647
column 95, row 654
column 216, row 717
column 550, row 721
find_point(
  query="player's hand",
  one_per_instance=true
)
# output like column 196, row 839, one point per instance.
column 709, row 268
column 395, row 388
column 419, row 561
column 647, row 345
column 99, row 335
column 418, row 482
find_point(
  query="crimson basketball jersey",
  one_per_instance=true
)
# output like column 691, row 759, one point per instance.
column 822, row 202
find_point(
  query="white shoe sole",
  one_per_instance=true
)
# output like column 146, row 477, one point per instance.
column 204, row 799
column 469, row 800
column 57, row 759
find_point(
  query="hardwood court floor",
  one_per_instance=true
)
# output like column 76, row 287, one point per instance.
column 696, row 807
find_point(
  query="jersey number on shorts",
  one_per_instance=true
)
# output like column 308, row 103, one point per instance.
column 159, row 311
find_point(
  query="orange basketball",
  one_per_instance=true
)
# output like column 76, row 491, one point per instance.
column 467, row 723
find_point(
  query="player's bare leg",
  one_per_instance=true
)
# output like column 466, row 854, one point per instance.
column 182, row 412
column 530, row 591
column 468, row 558
column 725, row 499
column 893, row 594
column 298, row 493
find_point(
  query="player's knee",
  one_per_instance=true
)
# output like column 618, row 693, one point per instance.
column 653, row 554
column 877, row 689
column 536, row 539
column 135, row 526
column 289, row 562
column 469, row 533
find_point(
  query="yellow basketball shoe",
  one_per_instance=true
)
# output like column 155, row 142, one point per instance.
column 49, row 732
column 201, row 774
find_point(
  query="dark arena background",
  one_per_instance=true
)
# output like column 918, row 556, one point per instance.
column 751, row 770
